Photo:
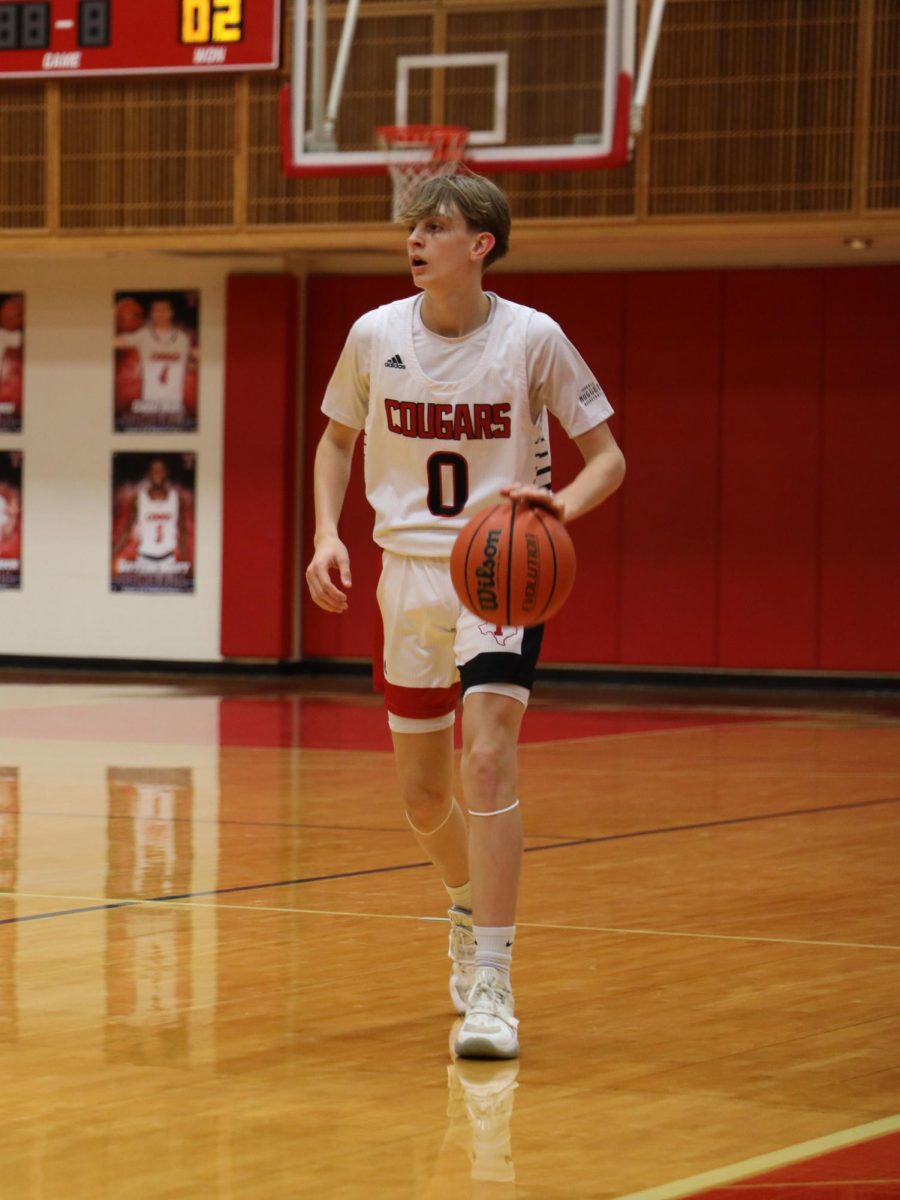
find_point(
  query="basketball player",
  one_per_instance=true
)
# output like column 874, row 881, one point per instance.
column 165, row 351
column 9, row 520
column 156, row 518
column 10, row 339
column 452, row 388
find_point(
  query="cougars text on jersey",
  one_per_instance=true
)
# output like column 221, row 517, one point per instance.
column 447, row 422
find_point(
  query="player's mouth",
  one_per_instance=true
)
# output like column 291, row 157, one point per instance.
column 417, row 263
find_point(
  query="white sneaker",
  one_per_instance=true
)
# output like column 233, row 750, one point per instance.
column 462, row 956
column 489, row 1028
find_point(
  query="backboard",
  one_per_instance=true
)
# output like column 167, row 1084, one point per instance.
column 540, row 88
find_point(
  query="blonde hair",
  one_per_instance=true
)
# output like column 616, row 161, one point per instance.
column 482, row 204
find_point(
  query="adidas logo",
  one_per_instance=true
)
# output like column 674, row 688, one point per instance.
column 396, row 361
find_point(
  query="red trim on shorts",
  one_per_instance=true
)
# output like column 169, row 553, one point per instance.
column 420, row 703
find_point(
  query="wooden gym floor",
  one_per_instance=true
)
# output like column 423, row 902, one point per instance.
column 223, row 972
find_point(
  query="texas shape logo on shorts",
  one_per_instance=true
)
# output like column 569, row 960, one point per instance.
column 497, row 633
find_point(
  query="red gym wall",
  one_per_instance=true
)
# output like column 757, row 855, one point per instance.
column 260, row 469
column 758, row 524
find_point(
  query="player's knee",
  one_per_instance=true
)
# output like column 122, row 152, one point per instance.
column 486, row 767
column 425, row 806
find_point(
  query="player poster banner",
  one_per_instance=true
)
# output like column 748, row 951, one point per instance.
column 156, row 355
column 12, row 349
column 153, row 522
column 10, row 519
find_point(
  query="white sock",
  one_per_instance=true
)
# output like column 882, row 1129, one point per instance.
column 493, row 947
column 460, row 897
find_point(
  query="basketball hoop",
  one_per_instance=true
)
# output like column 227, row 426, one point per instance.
column 414, row 153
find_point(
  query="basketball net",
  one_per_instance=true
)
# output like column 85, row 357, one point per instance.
column 415, row 153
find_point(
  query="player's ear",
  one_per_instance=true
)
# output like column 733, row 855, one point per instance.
column 483, row 244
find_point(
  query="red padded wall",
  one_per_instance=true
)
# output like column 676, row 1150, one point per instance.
column 670, row 501
column 860, row 597
column 769, row 512
column 259, row 600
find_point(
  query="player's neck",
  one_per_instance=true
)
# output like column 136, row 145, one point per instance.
column 455, row 313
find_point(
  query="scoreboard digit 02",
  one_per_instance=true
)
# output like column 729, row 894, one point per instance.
column 46, row 38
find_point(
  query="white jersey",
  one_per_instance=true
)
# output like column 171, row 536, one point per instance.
column 439, row 451
column 157, row 523
column 164, row 358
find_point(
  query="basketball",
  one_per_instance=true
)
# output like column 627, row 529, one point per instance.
column 129, row 315
column 12, row 313
column 513, row 564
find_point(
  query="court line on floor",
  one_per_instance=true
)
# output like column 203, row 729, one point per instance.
column 749, row 1167
column 563, row 840
column 333, row 877
column 95, row 904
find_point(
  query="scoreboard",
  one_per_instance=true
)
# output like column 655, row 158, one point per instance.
column 72, row 38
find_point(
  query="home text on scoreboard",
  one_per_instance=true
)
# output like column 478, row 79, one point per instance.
column 40, row 38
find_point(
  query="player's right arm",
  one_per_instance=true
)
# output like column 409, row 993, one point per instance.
column 331, row 475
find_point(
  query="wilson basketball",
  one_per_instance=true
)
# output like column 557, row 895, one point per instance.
column 129, row 315
column 513, row 564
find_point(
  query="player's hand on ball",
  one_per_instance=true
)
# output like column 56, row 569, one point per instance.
column 331, row 555
column 529, row 494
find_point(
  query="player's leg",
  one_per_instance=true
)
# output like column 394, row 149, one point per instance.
column 424, row 763
column 421, row 691
column 425, row 771
column 491, row 725
column 489, row 769
column 497, row 670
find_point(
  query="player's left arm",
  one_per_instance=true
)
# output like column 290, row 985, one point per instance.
column 601, row 475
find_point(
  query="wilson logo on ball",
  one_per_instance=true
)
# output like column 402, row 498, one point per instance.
column 513, row 564
column 486, row 573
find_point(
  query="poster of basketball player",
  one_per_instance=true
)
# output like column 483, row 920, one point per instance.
column 10, row 519
column 12, row 349
column 153, row 522
column 156, row 360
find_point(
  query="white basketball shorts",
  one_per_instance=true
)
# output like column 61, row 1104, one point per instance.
column 434, row 647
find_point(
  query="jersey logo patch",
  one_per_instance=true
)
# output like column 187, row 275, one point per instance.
column 395, row 361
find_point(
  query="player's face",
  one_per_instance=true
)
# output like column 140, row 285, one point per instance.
column 161, row 314
column 440, row 249
column 157, row 473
